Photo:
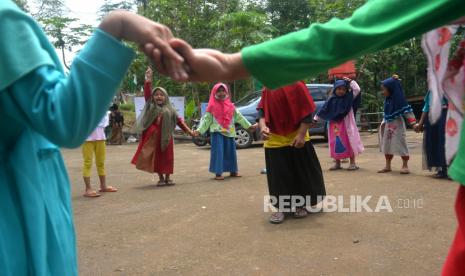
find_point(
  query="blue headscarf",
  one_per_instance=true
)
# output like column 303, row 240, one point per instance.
column 395, row 105
column 336, row 107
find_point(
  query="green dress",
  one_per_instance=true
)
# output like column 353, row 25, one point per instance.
column 41, row 110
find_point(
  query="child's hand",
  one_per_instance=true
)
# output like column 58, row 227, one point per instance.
column 153, row 39
column 299, row 141
column 265, row 132
column 195, row 133
column 418, row 128
column 347, row 79
column 253, row 127
column 206, row 64
column 149, row 74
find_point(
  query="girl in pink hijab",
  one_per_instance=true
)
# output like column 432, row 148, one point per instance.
column 221, row 118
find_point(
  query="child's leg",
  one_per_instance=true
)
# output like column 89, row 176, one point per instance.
column 387, row 167
column 405, row 169
column 388, row 158
column 168, row 181
column 405, row 161
column 217, row 155
column 100, row 151
column 352, row 160
column 352, row 166
column 100, row 162
column 87, row 150
column 337, row 165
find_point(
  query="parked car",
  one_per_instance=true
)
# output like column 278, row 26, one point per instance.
column 248, row 107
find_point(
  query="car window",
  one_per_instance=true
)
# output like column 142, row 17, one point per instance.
column 316, row 94
column 249, row 99
column 326, row 91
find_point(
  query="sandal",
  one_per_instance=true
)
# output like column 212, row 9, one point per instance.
column 236, row 174
column 335, row 168
column 404, row 171
column 353, row 167
column 277, row 218
column 91, row 194
column 108, row 189
column 219, row 177
column 161, row 183
column 384, row 170
column 169, row 182
column 300, row 213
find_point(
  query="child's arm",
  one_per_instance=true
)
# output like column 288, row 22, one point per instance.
column 205, row 123
column 241, row 120
column 182, row 124
column 355, row 87
column 63, row 109
column 418, row 127
column 148, row 84
column 153, row 38
column 299, row 140
column 410, row 117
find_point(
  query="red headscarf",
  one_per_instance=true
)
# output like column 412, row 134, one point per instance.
column 222, row 110
column 286, row 107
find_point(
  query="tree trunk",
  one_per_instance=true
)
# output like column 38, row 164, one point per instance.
column 64, row 57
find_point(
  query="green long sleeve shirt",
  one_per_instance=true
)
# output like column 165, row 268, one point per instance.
column 208, row 122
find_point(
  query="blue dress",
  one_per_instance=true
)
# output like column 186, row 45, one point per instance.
column 41, row 110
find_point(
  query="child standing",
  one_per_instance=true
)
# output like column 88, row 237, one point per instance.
column 292, row 166
column 343, row 136
column 220, row 119
column 116, row 124
column 434, row 139
column 43, row 109
column 95, row 145
column 392, row 129
column 158, row 120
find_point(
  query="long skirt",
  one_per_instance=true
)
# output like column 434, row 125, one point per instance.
column 116, row 135
column 294, row 172
column 150, row 157
column 393, row 137
column 223, row 156
column 434, row 143
column 455, row 262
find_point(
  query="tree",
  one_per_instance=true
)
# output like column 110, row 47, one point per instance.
column 63, row 36
column 288, row 16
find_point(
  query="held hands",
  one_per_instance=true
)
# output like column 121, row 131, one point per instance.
column 418, row 128
column 253, row 127
column 153, row 39
column 195, row 133
column 173, row 57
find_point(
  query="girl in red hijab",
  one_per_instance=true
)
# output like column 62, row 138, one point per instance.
column 221, row 118
column 293, row 168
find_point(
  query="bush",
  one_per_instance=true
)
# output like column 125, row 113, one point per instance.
column 128, row 107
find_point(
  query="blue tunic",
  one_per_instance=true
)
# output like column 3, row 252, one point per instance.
column 41, row 110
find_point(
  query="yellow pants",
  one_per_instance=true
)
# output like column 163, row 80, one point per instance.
column 89, row 148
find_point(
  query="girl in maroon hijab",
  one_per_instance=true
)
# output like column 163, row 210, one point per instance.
column 293, row 169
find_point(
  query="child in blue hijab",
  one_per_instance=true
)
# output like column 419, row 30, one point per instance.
column 343, row 136
column 392, row 130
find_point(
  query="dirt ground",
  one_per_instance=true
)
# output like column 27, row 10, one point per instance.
column 206, row 227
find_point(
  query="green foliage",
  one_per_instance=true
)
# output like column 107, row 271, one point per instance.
column 22, row 4
column 288, row 16
column 128, row 107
